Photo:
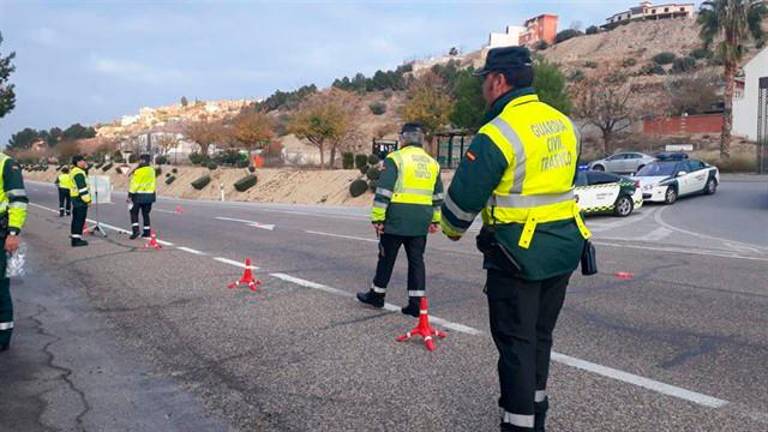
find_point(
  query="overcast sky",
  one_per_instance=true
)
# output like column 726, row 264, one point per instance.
column 92, row 61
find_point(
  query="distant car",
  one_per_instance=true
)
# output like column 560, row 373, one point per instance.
column 625, row 162
column 601, row 193
column 667, row 180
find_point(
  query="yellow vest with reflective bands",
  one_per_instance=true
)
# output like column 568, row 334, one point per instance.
column 73, row 191
column 541, row 147
column 143, row 181
column 65, row 181
column 417, row 175
column 3, row 196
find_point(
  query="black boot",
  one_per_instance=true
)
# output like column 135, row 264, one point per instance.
column 540, row 412
column 135, row 234
column 413, row 307
column 76, row 242
column 147, row 233
column 371, row 298
column 61, row 212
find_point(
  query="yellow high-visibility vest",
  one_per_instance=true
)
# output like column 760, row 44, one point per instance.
column 417, row 175
column 17, row 211
column 84, row 193
column 541, row 147
column 143, row 181
column 65, row 181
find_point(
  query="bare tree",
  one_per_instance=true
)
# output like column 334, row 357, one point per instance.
column 205, row 133
column 693, row 94
column 605, row 101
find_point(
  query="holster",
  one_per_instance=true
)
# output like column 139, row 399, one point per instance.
column 588, row 259
column 494, row 251
column 4, row 226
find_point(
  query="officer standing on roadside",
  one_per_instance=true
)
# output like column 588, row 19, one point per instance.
column 63, row 181
column 81, row 199
column 13, row 213
column 519, row 173
column 141, row 195
column 405, row 209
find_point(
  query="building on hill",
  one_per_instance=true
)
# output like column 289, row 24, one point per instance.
column 648, row 11
column 511, row 37
column 750, row 99
column 540, row 28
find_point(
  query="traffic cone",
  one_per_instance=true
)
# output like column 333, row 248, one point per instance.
column 624, row 276
column 247, row 278
column 423, row 328
column 179, row 210
column 152, row 243
column 86, row 231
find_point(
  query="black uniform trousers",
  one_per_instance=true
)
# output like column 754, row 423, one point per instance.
column 6, row 305
column 65, row 201
column 79, row 215
column 145, row 209
column 389, row 246
column 523, row 315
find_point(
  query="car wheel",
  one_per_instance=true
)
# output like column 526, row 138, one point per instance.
column 670, row 196
column 598, row 168
column 711, row 187
column 624, row 206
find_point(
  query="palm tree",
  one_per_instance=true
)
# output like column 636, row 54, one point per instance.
column 735, row 22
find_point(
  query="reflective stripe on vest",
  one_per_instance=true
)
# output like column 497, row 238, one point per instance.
column 417, row 175
column 541, row 148
column 73, row 190
column 143, row 181
column 3, row 194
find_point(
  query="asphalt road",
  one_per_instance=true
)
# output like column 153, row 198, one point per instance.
column 680, row 346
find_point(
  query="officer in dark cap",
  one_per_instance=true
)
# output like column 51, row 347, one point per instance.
column 81, row 198
column 518, row 174
column 141, row 195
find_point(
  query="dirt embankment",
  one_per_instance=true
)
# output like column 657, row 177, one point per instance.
column 284, row 185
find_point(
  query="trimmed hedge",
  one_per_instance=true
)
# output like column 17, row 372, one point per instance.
column 357, row 188
column 106, row 167
column 167, row 175
column 372, row 185
column 664, row 58
column 361, row 160
column 201, row 182
column 246, row 183
column 373, row 159
column 347, row 160
column 373, row 173
column 364, row 169
column 212, row 166
column 158, row 171
column 170, row 180
column 251, row 169
column 175, row 171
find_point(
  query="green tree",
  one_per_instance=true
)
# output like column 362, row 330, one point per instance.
column 23, row 139
column 550, row 84
column 7, row 95
column 469, row 109
column 734, row 23
column 78, row 131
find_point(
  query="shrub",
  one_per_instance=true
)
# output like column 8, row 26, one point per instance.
column 590, row 65
column 664, row 58
column 347, row 160
column 158, row 171
column 684, row 64
column 701, row 54
column 133, row 158
column 629, row 62
column 540, row 46
column 170, row 180
column 242, row 164
column 372, row 185
column 364, row 169
column 201, row 182
column 576, row 76
column 652, row 69
column 357, row 188
column 251, row 169
column 161, row 160
column 593, row 30
column 361, row 160
column 212, row 166
column 197, row 159
column 373, row 159
column 175, row 171
column 117, row 157
column 378, row 108
column 246, row 183
column 106, row 167
column 167, row 175
column 373, row 173
column 567, row 34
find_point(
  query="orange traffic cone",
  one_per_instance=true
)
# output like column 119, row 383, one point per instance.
column 179, row 210
column 624, row 276
column 247, row 278
column 152, row 243
column 86, row 231
column 423, row 328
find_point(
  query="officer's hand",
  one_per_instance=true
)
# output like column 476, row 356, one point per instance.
column 12, row 243
column 433, row 228
column 378, row 228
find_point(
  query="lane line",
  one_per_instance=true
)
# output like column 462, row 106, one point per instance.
column 605, row 371
column 165, row 211
column 684, row 251
column 738, row 244
column 656, row 235
column 190, row 250
column 233, row 263
column 250, row 223
column 342, row 236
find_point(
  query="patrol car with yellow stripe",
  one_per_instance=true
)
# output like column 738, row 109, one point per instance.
column 600, row 192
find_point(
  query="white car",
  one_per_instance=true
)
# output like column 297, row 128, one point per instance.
column 600, row 193
column 624, row 162
column 666, row 180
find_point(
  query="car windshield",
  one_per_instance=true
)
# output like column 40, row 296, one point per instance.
column 658, row 169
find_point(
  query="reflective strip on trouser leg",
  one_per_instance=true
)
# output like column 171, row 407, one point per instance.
column 519, row 420
column 6, row 307
column 378, row 290
column 420, row 293
column 540, row 396
column 6, row 325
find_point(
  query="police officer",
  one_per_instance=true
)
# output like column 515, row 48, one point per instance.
column 141, row 195
column 519, row 173
column 406, row 207
column 63, row 181
column 81, row 199
column 13, row 213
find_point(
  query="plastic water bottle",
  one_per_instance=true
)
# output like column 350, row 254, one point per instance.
column 14, row 266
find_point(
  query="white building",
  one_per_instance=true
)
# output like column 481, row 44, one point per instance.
column 511, row 37
column 747, row 95
column 648, row 11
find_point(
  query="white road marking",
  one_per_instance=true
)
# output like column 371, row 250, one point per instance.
column 342, row 236
column 608, row 372
column 233, row 263
column 269, row 227
column 689, row 251
column 164, row 243
column 190, row 250
column 737, row 244
column 658, row 234
column 165, row 211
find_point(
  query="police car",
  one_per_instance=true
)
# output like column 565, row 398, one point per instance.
column 670, row 178
column 600, row 192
